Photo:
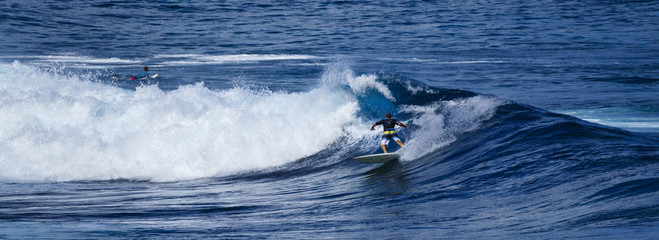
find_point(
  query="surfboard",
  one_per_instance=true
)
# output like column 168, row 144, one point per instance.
column 144, row 78
column 377, row 158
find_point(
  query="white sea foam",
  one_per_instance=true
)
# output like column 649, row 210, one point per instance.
column 438, row 62
column 86, row 59
column 199, row 59
column 470, row 62
column 88, row 62
column 77, row 62
column 340, row 74
column 442, row 122
column 58, row 128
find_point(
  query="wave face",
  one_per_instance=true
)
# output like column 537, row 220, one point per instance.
column 473, row 165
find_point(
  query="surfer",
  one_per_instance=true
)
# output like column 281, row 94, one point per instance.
column 142, row 74
column 389, row 133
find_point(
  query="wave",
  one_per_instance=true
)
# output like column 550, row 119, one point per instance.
column 64, row 127
column 67, row 127
column 476, row 157
column 550, row 171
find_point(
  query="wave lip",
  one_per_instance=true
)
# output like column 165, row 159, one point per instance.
column 441, row 122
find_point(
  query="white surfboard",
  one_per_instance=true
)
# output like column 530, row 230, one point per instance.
column 146, row 78
column 137, row 79
column 377, row 158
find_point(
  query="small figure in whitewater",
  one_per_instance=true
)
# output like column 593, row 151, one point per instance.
column 389, row 132
column 142, row 74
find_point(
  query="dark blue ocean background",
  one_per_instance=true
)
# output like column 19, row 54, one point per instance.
column 529, row 119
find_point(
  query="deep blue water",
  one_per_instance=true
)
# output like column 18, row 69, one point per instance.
column 529, row 119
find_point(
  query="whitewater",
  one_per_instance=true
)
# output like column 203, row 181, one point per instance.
column 90, row 131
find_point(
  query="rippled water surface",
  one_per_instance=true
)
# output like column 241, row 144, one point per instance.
column 527, row 119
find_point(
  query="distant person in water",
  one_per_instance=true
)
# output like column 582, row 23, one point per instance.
column 389, row 133
column 142, row 74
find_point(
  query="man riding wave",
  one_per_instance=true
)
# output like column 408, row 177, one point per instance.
column 389, row 132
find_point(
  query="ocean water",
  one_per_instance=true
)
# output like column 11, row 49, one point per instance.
column 528, row 119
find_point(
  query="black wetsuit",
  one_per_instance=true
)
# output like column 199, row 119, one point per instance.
column 388, row 125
